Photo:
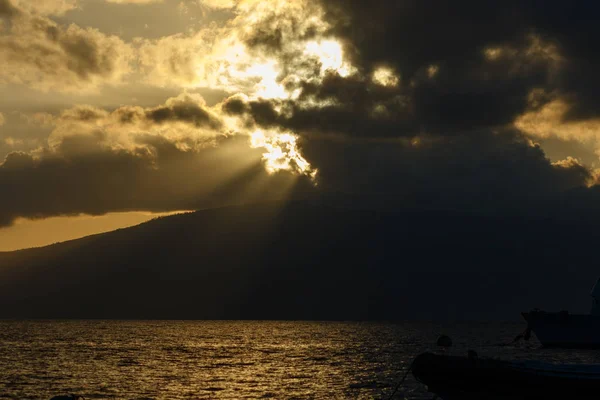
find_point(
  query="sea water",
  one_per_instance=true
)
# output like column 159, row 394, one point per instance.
column 238, row 359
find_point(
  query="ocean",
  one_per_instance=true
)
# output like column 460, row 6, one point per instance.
column 238, row 359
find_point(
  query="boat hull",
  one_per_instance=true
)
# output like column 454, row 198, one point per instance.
column 564, row 330
column 453, row 378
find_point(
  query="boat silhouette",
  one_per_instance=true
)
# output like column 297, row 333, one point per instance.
column 475, row 378
column 566, row 330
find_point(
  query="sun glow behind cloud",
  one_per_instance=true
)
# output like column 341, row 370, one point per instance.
column 281, row 153
column 330, row 55
column 258, row 75
column 232, row 67
column 266, row 51
column 267, row 87
column 281, row 149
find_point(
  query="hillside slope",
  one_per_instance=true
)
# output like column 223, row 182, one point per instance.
column 303, row 260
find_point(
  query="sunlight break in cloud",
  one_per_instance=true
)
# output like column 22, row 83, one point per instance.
column 266, row 46
column 265, row 52
column 281, row 153
column 549, row 121
column 330, row 55
column 185, row 121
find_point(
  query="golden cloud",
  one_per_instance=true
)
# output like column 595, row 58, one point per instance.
column 134, row 1
column 385, row 77
column 549, row 121
column 46, row 7
column 219, row 3
column 184, row 121
column 40, row 53
column 263, row 52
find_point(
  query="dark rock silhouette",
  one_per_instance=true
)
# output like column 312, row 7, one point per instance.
column 444, row 341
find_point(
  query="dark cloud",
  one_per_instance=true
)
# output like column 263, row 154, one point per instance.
column 478, row 173
column 136, row 158
column 483, row 94
column 467, row 90
column 7, row 9
column 266, row 36
column 82, row 176
column 461, row 65
column 574, row 30
column 85, row 56
column 235, row 105
column 411, row 35
column 83, row 113
column 185, row 108
column 440, row 135
column 281, row 25
column 347, row 106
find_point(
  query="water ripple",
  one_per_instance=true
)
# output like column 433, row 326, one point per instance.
column 142, row 360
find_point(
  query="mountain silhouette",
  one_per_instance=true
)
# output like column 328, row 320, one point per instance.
column 307, row 260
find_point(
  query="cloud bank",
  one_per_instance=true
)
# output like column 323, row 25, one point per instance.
column 403, row 104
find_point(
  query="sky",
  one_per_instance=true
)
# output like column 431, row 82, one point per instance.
column 120, row 110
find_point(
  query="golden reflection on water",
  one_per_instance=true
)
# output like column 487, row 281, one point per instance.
column 197, row 360
column 233, row 360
